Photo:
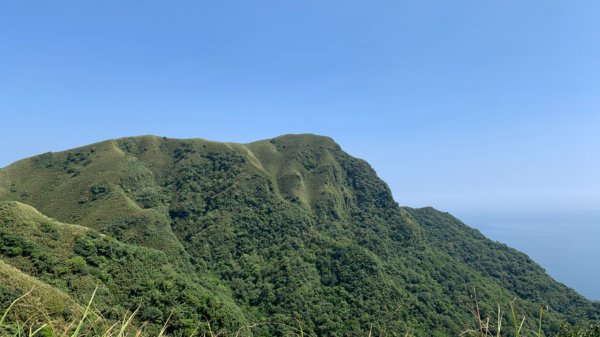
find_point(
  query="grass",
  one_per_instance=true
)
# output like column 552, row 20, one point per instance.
column 90, row 323
column 484, row 327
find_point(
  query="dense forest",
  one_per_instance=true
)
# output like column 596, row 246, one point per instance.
column 285, row 232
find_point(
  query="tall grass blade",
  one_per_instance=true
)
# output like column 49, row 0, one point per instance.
column 31, row 334
column 85, row 314
column 514, row 317
column 127, row 323
column 12, row 305
column 540, row 324
column 301, row 330
column 164, row 328
column 500, row 314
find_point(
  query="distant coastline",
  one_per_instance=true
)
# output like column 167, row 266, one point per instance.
column 561, row 241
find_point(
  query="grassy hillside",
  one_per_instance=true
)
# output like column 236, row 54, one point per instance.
column 15, row 283
column 56, row 259
column 288, row 229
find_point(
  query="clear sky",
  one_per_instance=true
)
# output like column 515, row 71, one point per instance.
column 468, row 106
column 455, row 103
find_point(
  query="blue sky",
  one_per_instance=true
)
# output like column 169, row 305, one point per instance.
column 457, row 104
column 487, row 109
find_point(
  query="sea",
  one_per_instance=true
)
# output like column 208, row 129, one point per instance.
column 565, row 243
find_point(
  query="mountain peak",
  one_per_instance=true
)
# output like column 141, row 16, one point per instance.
column 288, row 227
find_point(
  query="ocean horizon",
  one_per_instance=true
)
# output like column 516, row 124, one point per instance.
column 563, row 242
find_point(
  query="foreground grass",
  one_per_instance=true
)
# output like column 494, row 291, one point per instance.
column 36, row 322
column 89, row 323
column 495, row 326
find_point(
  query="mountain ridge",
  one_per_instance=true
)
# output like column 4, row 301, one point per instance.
column 289, row 227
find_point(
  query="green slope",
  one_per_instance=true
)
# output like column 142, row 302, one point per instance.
column 55, row 259
column 287, row 228
column 507, row 267
column 16, row 283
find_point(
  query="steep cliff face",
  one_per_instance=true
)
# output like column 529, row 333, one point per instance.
column 284, row 229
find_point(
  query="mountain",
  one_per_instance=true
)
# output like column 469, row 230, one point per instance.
column 285, row 232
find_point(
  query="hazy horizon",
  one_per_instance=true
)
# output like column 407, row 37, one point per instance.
column 563, row 243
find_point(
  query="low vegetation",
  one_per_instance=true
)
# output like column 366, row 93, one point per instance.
column 90, row 323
